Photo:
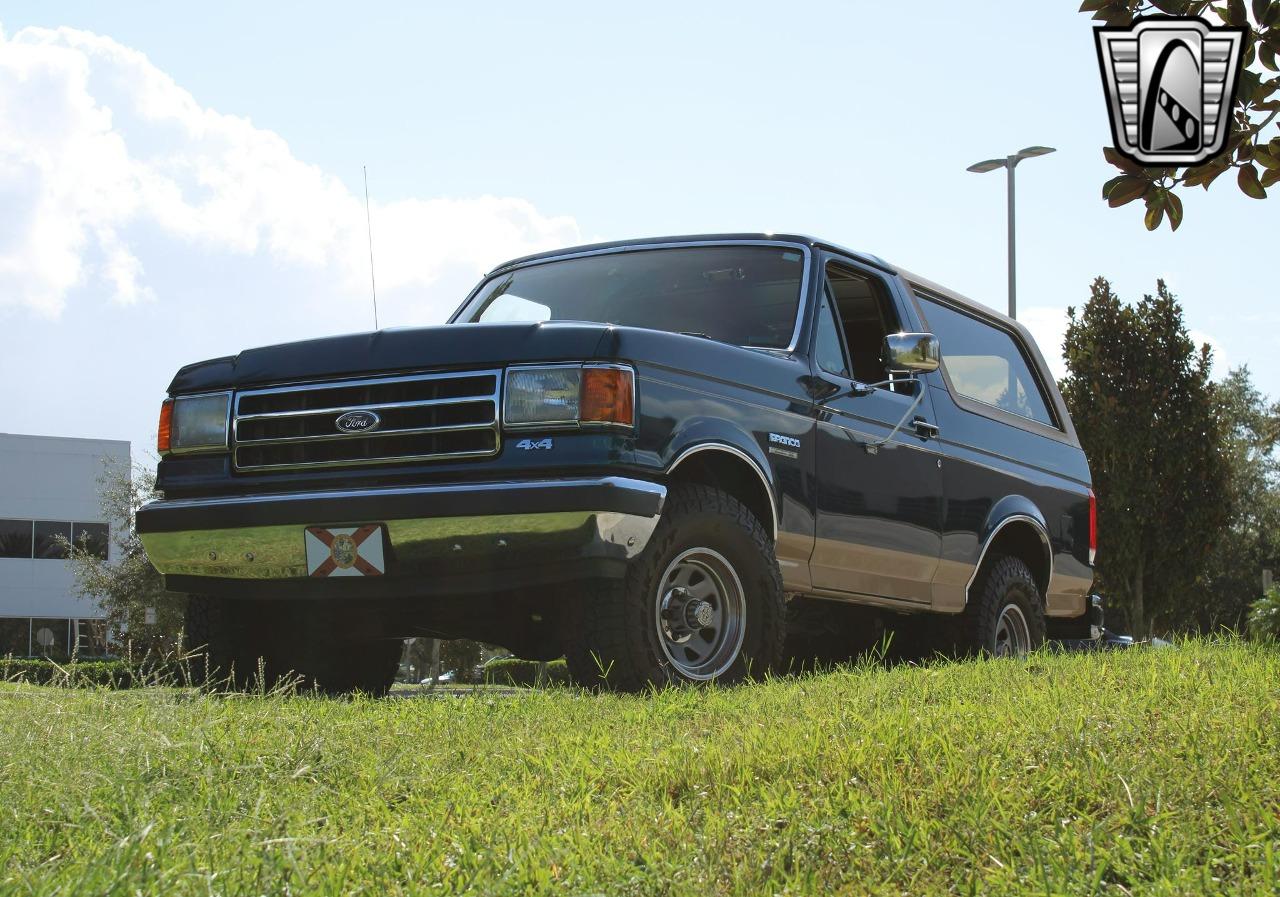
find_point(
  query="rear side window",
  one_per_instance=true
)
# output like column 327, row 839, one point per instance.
column 985, row 364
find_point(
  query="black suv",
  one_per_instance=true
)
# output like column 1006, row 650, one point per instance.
column 668, row 460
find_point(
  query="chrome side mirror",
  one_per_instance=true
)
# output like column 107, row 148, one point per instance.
column 918, row 353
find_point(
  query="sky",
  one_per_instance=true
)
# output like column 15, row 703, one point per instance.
column 179, row 182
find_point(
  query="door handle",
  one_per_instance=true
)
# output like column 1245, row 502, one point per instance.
column 924, row 429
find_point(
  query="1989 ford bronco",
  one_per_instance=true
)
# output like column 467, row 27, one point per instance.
column 666, row 459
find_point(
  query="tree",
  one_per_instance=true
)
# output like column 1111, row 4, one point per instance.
column 126, row 585
column 1145, row 409
column 1253, row 145
column 1251, row 540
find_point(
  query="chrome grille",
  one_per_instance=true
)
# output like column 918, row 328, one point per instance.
column 422, row 417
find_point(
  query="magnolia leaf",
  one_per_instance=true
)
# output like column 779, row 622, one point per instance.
column 1267, row 56
column 1248, row 181
column 1111, row 185
column 1264, row 155
column 1127, row 190
column 1215, row 170
column 1174, row 204
column 1155, row 211
column 1270, row 176
column 1128, row 166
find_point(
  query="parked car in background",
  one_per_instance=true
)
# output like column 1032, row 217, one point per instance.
column 658, row 458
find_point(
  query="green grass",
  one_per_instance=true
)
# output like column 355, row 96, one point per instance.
column 1144, row 772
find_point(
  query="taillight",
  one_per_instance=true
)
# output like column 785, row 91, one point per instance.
column 607, row 396
column 164, row 432
column 1093, row 527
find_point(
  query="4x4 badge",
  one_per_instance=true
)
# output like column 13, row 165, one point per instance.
column 1170, row 83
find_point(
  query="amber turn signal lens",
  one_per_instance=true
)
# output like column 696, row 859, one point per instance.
column 607, row 396
column 164, row 432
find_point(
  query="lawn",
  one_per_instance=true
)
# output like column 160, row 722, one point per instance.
column 1144, row 772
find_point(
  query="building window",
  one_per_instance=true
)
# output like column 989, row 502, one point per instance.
column 48, row 545
column 91, row 537
column 15, row 539
column 51, row 638
column 91, row 638
column 15, row 637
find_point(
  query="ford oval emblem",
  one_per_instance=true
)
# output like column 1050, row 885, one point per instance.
column 358, row 422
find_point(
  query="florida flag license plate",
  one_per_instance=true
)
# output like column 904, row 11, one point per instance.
column 345, row 551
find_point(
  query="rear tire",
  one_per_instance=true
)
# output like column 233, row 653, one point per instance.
column 1006, row 618
column 703, row 602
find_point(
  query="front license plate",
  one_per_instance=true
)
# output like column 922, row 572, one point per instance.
column 345, row 551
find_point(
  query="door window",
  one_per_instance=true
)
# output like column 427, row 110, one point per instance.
column 866, row 317
column 984, row 363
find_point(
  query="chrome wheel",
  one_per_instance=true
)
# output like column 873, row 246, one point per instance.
column 700, row 612
column 1013, row 635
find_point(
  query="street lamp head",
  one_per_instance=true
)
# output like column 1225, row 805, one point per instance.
column 989, row 165
column 1035, row 151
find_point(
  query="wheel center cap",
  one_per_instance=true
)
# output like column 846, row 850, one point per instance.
column 701, row 614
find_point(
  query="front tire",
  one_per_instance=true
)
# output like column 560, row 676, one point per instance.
column 703, row 603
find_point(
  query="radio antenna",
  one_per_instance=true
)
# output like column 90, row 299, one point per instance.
column 368, row 223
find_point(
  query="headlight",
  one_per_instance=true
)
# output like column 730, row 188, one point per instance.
column 194, row 423
column 566, row 395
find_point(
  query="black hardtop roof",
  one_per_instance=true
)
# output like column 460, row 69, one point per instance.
column 802, row 239
column 696, row 238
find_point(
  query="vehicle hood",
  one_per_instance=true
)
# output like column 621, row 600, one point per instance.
column 394, row 351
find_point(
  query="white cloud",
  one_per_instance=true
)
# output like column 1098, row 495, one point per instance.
column 98, row 148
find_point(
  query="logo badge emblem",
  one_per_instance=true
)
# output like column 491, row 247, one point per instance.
column 358, row 422
column 1170, row 83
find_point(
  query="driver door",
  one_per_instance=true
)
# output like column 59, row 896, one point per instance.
column 879, row 498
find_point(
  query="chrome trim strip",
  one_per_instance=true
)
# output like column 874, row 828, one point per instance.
column 365, row 462
column 801, row 306
column 366, row 434
column 982, row 555
column 422, row 403
column 732, row 450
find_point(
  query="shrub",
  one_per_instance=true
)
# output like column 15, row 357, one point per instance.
column 1264, row 616
column 523, row 673
column 89, row 673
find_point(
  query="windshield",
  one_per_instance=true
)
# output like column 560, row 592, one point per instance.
column 746, row 295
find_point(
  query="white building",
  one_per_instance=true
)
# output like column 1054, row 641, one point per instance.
column 49, row 486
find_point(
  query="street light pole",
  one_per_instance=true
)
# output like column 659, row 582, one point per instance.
column 1013, row 255
column 1009, row 163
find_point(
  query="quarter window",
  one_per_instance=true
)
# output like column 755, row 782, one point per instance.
column 984, row 363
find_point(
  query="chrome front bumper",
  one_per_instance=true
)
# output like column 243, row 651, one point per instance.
column 428, row 528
